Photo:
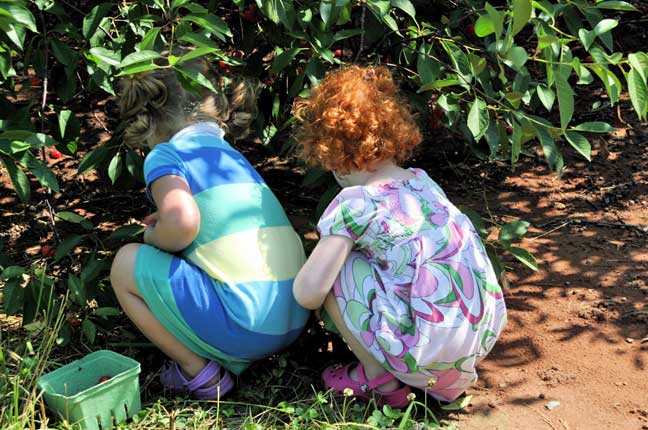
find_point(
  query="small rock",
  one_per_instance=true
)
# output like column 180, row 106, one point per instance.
column 541, row 396
column 553, row 404
column 492, row 405
column 502, row 385
column 567, row 283
column 629, row 339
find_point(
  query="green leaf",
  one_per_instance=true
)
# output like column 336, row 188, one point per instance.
column 521, row 15
column 40, row 170
column 89, row 330
column 439, row 83
column 406, row 6
column 580, row 143
column 516, row 142
column 639, row 62
column 18, row 178
column 516, row 58
column 546, row 40
column 129, row 231
column 610, row 80
column 63, row 119
column 198, row 52
column 19, row 14
column 282, row 60
column 427, row 68
column 75, row 218
column 524, row 256
column 617, row 5
column 77, row 292
column 586, row 37
column 638, row 92
column 551, row 152
column 594, row 127
column 476, row 221
column 67, row 245
column 604, row 26
column 92, row 159
column 497, row 18
column 138, row 68
column 15, row 33
column 12, row 272
column 478, row 118
column 115, row 167
column 63, row 53
column 195, row 76
column 138, row 57
column 484, row 26
column 199, row 40
column 512, row 232
column 107, row 56
column 565, row 100
column 148, row 41
column 546, row 96
column 459, row 404
column 107, row 312
column 211, row 23
column 93, row 19
column 345, row 34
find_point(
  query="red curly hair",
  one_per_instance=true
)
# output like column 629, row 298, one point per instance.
column 354, row 119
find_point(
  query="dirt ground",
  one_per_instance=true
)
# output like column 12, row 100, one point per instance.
column 578, row 328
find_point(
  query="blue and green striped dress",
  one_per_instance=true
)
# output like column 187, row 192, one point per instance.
column 228, row 296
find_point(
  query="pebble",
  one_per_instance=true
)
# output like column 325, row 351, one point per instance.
column 541, row 396
column 629, row 339
column 502, row 385
column 492, row 405
column 553, row 404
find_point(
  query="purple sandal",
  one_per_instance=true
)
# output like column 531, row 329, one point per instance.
column 174, row 380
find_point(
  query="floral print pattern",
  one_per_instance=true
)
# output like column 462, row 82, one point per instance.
column 418, row 290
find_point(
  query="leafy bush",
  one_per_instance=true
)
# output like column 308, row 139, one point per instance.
column 507, row 77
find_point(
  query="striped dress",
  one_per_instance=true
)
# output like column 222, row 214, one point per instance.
column 228, row 296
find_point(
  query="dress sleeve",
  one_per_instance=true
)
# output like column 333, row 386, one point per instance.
column 349, row 215
column 161, row 161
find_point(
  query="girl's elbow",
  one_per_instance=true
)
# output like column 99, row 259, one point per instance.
column 305, row 300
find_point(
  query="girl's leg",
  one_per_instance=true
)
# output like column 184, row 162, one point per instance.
column 372, row 367
column 123, row 282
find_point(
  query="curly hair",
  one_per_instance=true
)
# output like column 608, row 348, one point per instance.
column 155, row 103
column 354, row 119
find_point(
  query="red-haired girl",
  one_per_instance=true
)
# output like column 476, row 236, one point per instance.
column 399, row 269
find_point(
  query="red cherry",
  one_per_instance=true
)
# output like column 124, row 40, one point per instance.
column 587, row 59
column 337, row 53
column 104, row 379
column 470, row 29
column 55, row 154
column 509, row 129
column 74, row 322
column 47, row 251
column 300, row 69
column 438, row 113
column 35, row 81
column 222, row 65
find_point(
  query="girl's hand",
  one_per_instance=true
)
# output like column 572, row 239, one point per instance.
column 150, row 219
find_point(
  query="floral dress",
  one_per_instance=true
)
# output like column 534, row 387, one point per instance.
column 418, row 290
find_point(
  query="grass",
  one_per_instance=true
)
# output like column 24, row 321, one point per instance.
column 276, row 393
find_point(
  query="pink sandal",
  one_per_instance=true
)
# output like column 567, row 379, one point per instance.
column 174, row 380
column 338, row 378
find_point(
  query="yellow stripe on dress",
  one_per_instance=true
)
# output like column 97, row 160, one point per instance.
column 265, row 254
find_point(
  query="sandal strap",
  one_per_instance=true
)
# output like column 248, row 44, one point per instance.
column 376, row 382
column 211, row 370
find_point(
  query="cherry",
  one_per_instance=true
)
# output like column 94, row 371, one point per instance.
column 47, row 251
column 55, row 154
column 74, row 322
column 470, row 29
column 337, row 53
column 222, row 65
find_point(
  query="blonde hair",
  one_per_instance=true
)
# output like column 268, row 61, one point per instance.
column 154, row 103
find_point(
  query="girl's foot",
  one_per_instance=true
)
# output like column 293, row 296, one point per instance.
column 208, row 384
column 338, row 378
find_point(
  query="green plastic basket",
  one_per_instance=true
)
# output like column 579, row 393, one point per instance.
column 75, row 393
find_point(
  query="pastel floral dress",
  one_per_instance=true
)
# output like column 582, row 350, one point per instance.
column 417, row 290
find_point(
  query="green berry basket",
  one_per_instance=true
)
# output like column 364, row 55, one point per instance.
column 75, row 392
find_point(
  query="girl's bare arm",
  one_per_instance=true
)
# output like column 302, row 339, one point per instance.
column 316, row 277
column 178, row 217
